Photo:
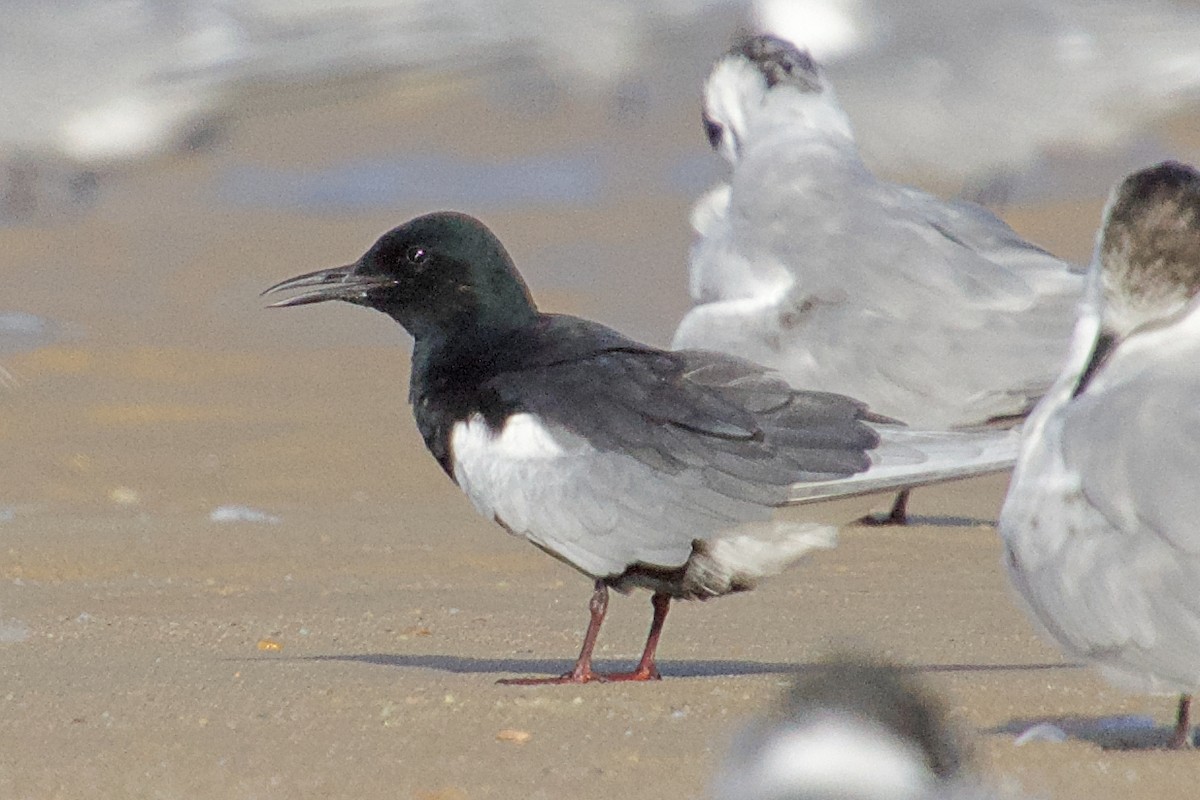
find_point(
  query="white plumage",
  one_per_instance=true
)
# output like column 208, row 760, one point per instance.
column 604, row 511
column 1101, row 518
column 835, row 756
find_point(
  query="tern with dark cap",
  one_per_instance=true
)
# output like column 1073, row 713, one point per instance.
column 1100, row 523
column 933, row 312
column 637, row 466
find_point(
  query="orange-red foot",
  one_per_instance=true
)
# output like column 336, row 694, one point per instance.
column 568, row 678
column 640, row 674
column 636, row 675
column 1180, row 741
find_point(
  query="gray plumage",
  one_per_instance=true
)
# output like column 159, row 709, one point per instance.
column 932, row 312
column 1100, row 522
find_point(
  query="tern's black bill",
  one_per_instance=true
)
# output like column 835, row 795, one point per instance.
column 339, row 283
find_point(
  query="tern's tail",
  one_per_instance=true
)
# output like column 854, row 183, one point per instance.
column 907, row 458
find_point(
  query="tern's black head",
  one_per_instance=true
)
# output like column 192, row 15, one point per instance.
column 440, row 274
column 1149, row 249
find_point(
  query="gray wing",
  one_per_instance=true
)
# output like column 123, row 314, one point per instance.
column 1124, row 584
column 934, row 313
column 908, row 458
column 627, row 458
column 1136, row 448
column 746, row 427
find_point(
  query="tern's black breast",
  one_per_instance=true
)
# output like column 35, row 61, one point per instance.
column 452, row 388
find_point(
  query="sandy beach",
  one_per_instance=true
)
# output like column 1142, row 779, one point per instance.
column 348, row 644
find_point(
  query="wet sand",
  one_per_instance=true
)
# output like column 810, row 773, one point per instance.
column 352, row 649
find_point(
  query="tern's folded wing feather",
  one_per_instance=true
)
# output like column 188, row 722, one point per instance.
column 1136, row 448
column 954, row 319
column 753, row 433
column 1102, row 535
column 906, row 459
column 616, row 455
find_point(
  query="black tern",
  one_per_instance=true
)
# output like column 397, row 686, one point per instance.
column 637, row 466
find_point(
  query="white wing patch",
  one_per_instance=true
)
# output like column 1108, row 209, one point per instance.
column 486, row 463
column 522, row 437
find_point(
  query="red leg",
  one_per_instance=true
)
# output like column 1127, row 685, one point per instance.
column 646, row 669
column 582, row 673
column 897, row 516
column 1182, row 738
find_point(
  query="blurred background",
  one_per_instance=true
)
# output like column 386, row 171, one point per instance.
column 161, row 161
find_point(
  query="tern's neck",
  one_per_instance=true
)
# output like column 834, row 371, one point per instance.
column 1084, row 342
column 799, row 127
column 815, row 115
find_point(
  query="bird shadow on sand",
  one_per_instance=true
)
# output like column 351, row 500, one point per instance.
column 536, row 667
column 919, row 521
column 676, row 668
column 952, row 522
column 1127, row 732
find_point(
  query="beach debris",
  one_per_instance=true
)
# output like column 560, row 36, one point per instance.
column 242, row 514
column 13, row 631
column 416, row 630
column 269, row 645
column 1041, row 732
column 513, row 735
column 124, row 496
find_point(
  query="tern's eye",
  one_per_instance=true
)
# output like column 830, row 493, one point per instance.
column 416, row 255
column 713, row 131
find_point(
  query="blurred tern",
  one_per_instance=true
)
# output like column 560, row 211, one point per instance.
column 853, row 729
column 974, row 91
column 1100, row 520
column 637, row 466
column 932, row 312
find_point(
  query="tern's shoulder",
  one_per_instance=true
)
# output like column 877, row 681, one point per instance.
column 558, row 339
